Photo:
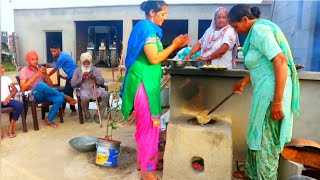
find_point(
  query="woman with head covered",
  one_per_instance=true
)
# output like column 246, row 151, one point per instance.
column 218, row 44
column 141, row 87
column 276, row 93
column 38, row 81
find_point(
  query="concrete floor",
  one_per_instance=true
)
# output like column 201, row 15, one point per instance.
column 46, row 154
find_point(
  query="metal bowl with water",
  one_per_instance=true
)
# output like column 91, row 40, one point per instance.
column 177, row 63
column 84, row 143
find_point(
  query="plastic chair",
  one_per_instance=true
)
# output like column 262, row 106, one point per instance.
column 10, row 110
column 81, row 121
column 28, row 100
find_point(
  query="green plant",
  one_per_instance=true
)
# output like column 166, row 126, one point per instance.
column 8, row 66
column 114, row 111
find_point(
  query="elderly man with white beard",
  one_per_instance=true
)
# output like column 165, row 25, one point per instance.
column 86, row 77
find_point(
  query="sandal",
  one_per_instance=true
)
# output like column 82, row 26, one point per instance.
column 11, row 135
column 240, row 172
column 73, row 113
column 240, row 175
column 159, row 166
column 51, row 124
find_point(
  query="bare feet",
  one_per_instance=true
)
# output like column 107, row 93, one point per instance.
column 70, row 100
column 51, row 124
column 11, row 135
column 3, row 135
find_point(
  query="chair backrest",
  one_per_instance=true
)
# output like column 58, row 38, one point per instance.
column 55, row 78
column 18, row 80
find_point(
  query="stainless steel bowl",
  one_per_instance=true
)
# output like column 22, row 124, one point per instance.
column 84, row 143
column 197, row 63
column 177, row 63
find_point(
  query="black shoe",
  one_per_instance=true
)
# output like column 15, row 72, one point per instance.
column 96, row 118
column 88, row 117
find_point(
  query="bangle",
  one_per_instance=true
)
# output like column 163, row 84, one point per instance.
column 277, row 103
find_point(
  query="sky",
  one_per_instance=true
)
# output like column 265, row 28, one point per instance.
column 6, row 16
column 7, row 6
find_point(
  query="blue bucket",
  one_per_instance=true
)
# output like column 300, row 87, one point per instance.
column 107, row 152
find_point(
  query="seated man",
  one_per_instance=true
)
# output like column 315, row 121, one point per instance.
column 86, row 77
column 38, row 81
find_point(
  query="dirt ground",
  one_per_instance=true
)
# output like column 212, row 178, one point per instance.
column 46, row 154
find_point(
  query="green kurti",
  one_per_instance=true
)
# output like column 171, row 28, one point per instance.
column 266, row 40
column 142, row 71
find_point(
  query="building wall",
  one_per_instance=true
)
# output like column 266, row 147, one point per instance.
column 31, row 24
column 297, row 20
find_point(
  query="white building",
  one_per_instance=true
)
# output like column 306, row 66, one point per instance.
column 38, row 27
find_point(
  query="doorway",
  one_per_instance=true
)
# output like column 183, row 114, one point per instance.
column 52, row 37
column 102, row 38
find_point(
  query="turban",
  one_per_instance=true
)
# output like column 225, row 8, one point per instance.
column 86, row 56
column 30, row 55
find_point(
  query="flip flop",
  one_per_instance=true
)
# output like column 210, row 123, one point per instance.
column 11, row 135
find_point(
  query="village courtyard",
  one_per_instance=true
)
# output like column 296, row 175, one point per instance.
column 46, row 154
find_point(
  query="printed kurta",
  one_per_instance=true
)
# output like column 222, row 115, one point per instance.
column 266, row 40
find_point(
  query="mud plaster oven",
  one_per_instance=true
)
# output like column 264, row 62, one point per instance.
column 193, row 90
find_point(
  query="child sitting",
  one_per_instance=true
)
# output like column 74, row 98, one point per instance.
column 6, row 101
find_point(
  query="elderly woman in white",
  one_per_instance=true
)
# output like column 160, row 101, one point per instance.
column 85, row 77
column 218, row 44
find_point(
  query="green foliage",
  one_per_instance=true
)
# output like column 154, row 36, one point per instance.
column 115, row 112
column 120, row 79
column 8, row 66
column 115, row 107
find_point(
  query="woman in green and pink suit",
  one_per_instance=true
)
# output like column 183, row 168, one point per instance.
column 141, row 87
